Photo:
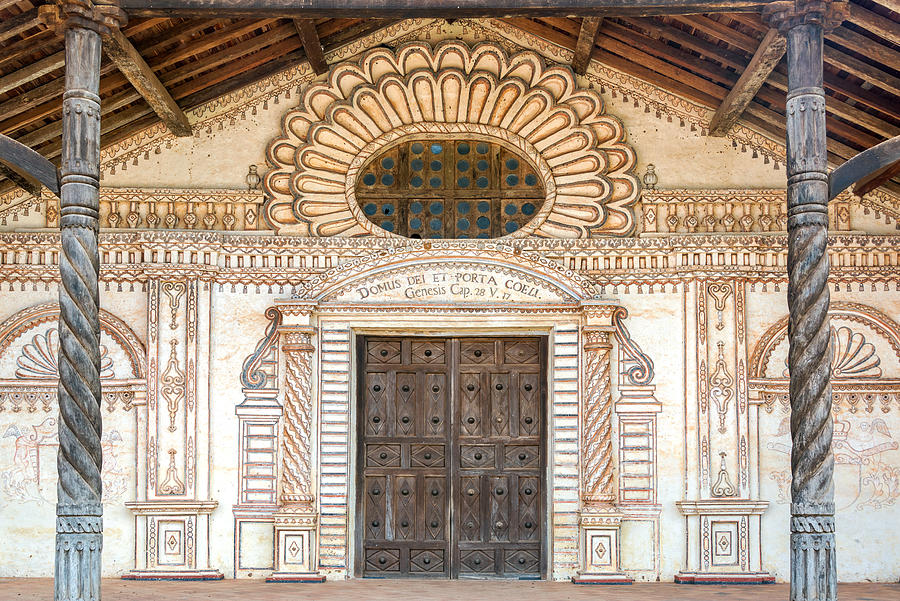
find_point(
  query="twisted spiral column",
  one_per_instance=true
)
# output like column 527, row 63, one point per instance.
column 596, row 435
column 813, row 567
column 79, row 522
column 296, row 475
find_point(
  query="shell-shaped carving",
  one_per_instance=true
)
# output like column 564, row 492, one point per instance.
column 853, row 356
column 451, row 90
column 38, row 358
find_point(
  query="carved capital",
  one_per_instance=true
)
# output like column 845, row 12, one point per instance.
column 787, row 14
column 97, row 15
column 596, row 340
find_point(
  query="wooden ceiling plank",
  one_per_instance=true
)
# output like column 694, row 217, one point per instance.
column 312, row 45
column 44, row 40
column 729, row 58
column 15, row 25
column 132, row 65
column 432, row 8
column 208, row 42
column 718, row 30
column 865, row 46
column 361, row 29
column 179, row 35
column 767, row 56
column 863, row 70
column 883, row 27
column 590, row 26
column 33, row 71
column 231, row 53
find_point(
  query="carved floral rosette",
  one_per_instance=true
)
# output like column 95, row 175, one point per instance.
column 452, row 91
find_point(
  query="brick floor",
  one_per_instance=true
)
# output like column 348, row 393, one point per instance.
column 27, row 589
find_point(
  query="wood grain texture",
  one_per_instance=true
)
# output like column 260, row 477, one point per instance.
column 585, row 44
column 312, row 45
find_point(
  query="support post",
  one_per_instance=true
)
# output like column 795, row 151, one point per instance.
column 79, row 521
column 813, row 568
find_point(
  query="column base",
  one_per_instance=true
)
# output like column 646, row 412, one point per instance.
column 611, row 578
column 296, row 578
column 724, row 578
column 182, row 575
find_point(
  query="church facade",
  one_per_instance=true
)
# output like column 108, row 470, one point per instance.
column 468, row 315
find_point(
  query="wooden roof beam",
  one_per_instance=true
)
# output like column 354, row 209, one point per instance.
column 15, row 25
column 312, row 45
column 433, row 8
column 584, row 47
column 880, row 26
column 764, row 60
column 130, row 63
column 33, row 71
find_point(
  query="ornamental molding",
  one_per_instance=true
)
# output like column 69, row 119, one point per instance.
column 451, row 90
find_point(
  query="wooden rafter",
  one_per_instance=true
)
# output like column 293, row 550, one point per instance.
column 585, row 44
column 132, row 65
column 16, row 25
column 312, row 45
column 33, row 71
column 880, row 26
column 764, row 60
column 432, row 8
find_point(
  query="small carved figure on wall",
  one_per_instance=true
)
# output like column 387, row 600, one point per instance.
column 650, row 178
column 253, row 178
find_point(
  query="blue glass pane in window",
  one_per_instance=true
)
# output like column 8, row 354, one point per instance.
column 387, row 163
column 482, row 165
column 510, row 209
column 462, row 165
column 415, row 223
column 436, row 165
column 462, row 208
column 417, row 164
column 528, row 208
column 531, row 179
column 370, row 209
column 369, row 179
column 388, row 209
column 481, row 148
column 415, row 207
column 512, row 180
column 511, row 227
column 482, row 182
column 387, row 179
column 483, row 235
column 483, row 222
column 436, row 208
column 434, row 236
column 463, row 148
column 417, row 147
column 484, row 206
column 463, row 223
column 463, row 236
column 435, row 224
column 416, row 181
column 463, row 182
column 435, row 182
column 387, row 225
column 436, row 149
column 512, row 164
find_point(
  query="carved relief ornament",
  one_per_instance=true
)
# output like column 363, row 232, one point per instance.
column 453, row 91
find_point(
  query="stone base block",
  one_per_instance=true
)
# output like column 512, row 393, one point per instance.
column 168, row 575
column 297, row 578
column 611, row 578
column 721, row 578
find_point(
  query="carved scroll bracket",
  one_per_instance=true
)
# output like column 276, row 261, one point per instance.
column 297, row 346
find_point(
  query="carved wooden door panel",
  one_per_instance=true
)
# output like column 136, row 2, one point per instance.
column 403, row 451
column 498, row 480
column 450, row 427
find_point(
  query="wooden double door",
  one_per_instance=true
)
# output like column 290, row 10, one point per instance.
column 451, row 476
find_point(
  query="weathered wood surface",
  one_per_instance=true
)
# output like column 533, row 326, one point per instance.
column 30, row 168
column 432, row 8
column 767, row 56
column 865, row 169
column 16, row 25
column 129, row 61
column 585, row 45
column 812, row 543
column 32, row 72
column 312, row 45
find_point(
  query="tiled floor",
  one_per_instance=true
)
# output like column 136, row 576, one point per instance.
column 27, row 589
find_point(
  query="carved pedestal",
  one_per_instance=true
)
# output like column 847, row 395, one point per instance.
column 600, row 549
column 296, row 546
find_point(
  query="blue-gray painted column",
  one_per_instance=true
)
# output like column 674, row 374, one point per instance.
column 813, row 567
column 79, row 521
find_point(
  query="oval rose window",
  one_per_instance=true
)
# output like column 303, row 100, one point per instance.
column 449, row 189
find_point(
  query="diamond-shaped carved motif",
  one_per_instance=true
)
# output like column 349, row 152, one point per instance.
column 426, row 561
column 600, row 550
column 293, row 549
column 521, row 352
column 476, row 561
column 172, row 542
